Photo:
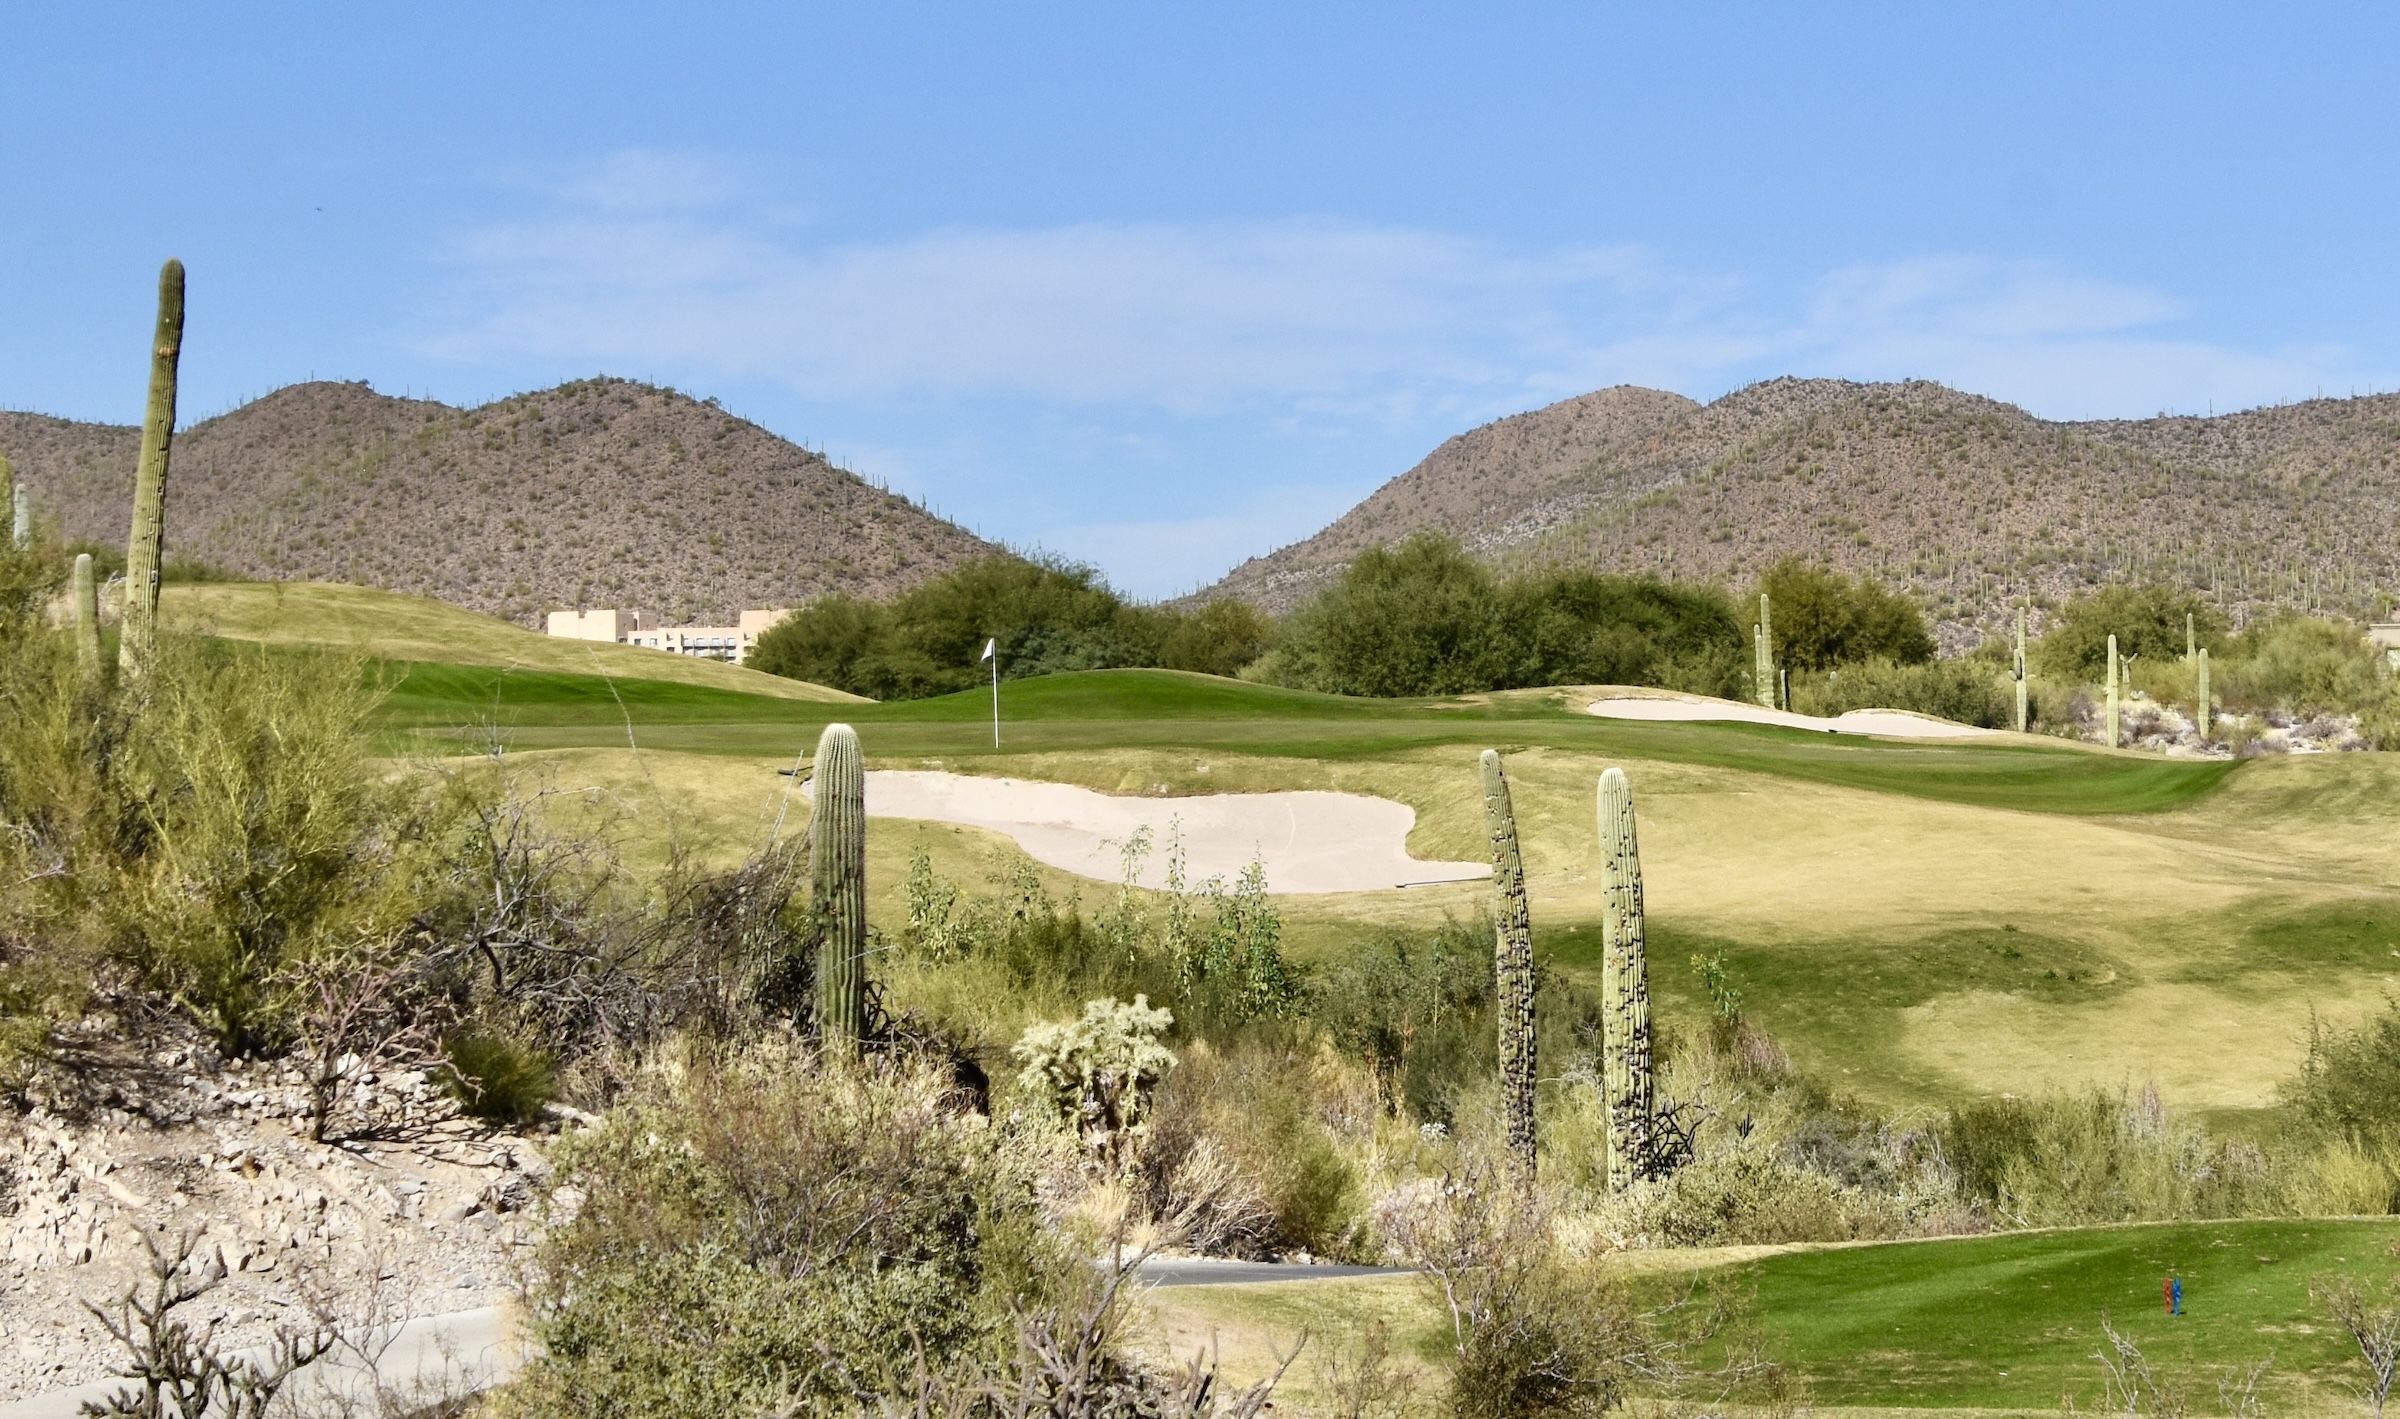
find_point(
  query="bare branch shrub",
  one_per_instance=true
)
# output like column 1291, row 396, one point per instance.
column 2373, row 1321
column 180, row 1371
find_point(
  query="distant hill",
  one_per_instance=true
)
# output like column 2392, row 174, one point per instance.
column 1965, row 500
column 596, row 493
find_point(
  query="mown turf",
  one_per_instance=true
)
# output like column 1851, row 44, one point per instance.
column 2011, row 1321
column 1131, row 709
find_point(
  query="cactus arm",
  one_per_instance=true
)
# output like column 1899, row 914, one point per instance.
column 1513, row 951
column 837, row 831
column 138, row 634
column 1626, row 1079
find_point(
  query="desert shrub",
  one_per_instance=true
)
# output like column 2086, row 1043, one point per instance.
column 2348, row 1086
column 257, row 832
column 1258, row 1103
column 497, row 1078
column 1218, row 639
column 2101, row 1156
column 2148, row 621
column 1424, row 618
column 1046, row 615
column 1746, row 1196
column 1964, row 690
column 1823, row 619
column 2302, row 665
column 1414, row 1008
column 763, row 1232
column 1531, row 1332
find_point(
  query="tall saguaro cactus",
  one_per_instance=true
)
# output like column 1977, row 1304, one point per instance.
column 1763, row 636
column 837, row 865
column 2191, row 642
column 20, row 503
column 2019, row 670
column 2204, row 704
column 137, row 641
column 2112, row 692
column 1624, row 991
column 1513, row 958
column 86, row 597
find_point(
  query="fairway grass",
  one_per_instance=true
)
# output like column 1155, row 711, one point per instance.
column 387, row 625
column 2005, row 1322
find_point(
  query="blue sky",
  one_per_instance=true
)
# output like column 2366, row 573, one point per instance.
column 1163, row 286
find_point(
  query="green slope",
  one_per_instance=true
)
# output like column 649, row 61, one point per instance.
column 389, row 626
column 2012, row 1320
column 1122, row 709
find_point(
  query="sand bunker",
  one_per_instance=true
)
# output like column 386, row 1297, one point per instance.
column 1309, row 841
column 1891, row 723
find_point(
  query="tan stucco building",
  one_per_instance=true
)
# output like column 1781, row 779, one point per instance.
column 641, row 628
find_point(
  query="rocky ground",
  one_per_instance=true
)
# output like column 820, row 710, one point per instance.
column 2167, row 730
column 418, row 1212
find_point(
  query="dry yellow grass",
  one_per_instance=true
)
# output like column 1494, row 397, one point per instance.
column 1821, row 876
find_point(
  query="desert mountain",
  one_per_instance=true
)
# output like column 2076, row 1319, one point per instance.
column 1965, row 500
column 597, row 493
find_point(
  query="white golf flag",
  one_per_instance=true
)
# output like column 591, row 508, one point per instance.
column 990, row 647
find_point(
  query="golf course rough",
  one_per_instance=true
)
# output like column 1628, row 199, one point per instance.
column 1513, row 975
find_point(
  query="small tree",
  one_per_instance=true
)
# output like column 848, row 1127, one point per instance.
column 2373, row 1320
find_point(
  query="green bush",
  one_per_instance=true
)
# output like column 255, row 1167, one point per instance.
column 1218, row 639
column 2348, row 1086
column 2061, row 1160
column 2302, row 665
column 1747, row 1197
column 766, row 1234
column 1823, row 619
column 1424, row 618
column 2148, row 621
column 1047, row 616
column 1966, row 690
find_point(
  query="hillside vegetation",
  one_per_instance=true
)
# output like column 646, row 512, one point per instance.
column 1967, row 501
column 597, row 493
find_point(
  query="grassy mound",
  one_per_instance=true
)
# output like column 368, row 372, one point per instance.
column 389, row 626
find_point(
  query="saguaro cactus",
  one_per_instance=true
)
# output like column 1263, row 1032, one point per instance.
column 1513, row 959
column 2019, row 671
column 20, row 502
column 2112, row 692
column 137, row 632
column 1763, row 638
column 837, row 865
column 2191, row 643
column 1624, row 990
column 2203, row 696
column 86, row 597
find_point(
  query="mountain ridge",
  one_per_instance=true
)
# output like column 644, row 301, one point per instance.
column 595, row 492
column 1966, row 500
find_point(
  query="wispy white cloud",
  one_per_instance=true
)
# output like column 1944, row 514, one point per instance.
column 653, row 258
column 1293, row 329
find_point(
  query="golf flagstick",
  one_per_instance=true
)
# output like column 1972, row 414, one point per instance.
column 991, row 652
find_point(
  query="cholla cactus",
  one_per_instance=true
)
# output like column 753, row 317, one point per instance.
column 2113, row 708
column 837, row 862
column 86, row 598
column 1513, row 967
column 137, row 635
column 1624, row 991
column 2018, row 670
